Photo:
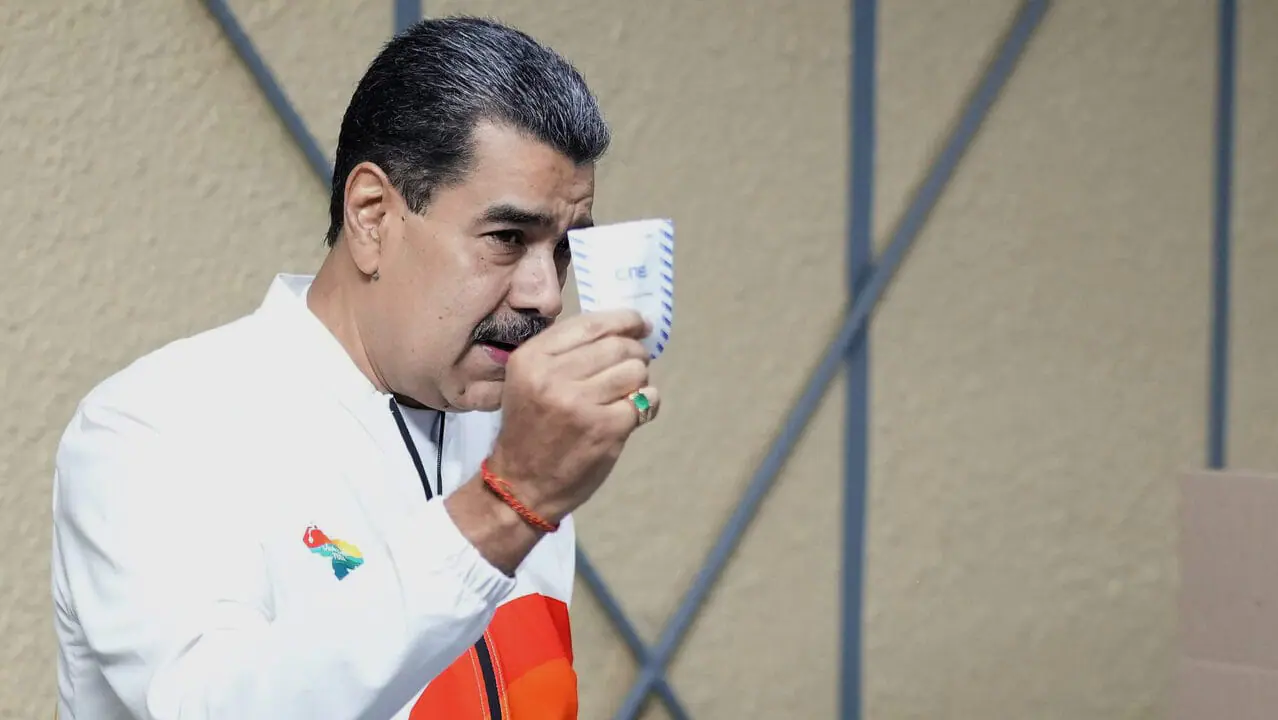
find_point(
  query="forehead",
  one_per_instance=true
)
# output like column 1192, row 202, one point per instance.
column 512, row 168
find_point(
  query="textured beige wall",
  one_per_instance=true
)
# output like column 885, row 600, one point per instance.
column 147, row 192
column 1039, row 374
column 1038, row 368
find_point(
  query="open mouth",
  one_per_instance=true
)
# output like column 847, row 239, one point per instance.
column 498, row 352
column 503, row 346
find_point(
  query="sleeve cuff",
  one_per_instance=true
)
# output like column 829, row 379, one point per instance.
column 432, row 539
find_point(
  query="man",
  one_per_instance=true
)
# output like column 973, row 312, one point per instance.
column 355, row 502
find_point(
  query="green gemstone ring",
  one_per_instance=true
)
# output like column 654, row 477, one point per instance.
column 642, row 406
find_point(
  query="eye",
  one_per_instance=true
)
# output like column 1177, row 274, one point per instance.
column 562, row 251
column 508, row 237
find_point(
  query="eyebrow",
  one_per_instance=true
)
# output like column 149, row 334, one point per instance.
column 514, row 215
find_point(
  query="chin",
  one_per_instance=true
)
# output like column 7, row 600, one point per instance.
column 482, row 396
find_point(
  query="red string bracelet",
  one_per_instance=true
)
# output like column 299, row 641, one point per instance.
column 501, row 489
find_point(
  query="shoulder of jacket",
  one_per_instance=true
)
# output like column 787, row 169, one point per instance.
column 214, row 367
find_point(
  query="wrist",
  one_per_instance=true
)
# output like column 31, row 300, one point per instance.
column 495, row 530
column 522, row 486
column 503, row 490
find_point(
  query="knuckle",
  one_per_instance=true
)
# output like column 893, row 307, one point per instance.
column 538, row 380
column 556, row 393
column 629, row 349
column 613, row 348
column 560, row 404
column 592, row 326
column 635, row 349
column 637, row 371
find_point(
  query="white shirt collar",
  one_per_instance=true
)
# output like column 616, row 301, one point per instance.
column 321, row 355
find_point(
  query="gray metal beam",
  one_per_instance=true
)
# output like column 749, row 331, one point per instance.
column 407, row 12
column 856, row 432
column 621, row 621
column 271, row 89
column 1218, row 402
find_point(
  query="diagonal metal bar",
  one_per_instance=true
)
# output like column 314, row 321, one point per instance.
column 991, row 84
column 270, row 87
column 856, row 431
column 621, row 621
column 407, row 12
column 1218, row 408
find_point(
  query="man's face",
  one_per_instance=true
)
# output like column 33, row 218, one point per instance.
column 463, row 284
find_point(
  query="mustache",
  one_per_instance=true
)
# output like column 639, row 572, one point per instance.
column 509, row 330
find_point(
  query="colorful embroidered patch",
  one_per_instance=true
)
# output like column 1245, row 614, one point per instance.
column 345, row 556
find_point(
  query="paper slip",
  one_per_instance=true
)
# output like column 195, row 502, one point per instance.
column 630, row 265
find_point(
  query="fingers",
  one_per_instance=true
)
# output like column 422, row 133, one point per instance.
column 617, row 381
column 654, row 401
column 627, row 412
column 596, row 357
column 589, row 327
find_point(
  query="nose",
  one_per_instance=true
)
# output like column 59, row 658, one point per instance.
column 536, row 287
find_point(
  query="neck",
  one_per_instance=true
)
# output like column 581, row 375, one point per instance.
column 330, row 300
column 411, row 403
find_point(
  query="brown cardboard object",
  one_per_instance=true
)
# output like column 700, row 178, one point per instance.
column 1229, row 569
column 1207, row 690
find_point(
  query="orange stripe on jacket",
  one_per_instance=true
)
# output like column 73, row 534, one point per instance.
column 531, row 641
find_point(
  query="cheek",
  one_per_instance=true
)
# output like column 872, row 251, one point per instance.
column 475, row 299
column 465, row 286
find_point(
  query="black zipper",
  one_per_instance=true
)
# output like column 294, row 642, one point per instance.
column 490, row 678
column 482, row 652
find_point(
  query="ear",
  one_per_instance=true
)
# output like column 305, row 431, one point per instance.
column 368, row 197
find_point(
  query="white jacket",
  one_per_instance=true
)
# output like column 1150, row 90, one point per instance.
column 240, row 533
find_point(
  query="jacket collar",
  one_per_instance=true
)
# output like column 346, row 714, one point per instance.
column 320, row 358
